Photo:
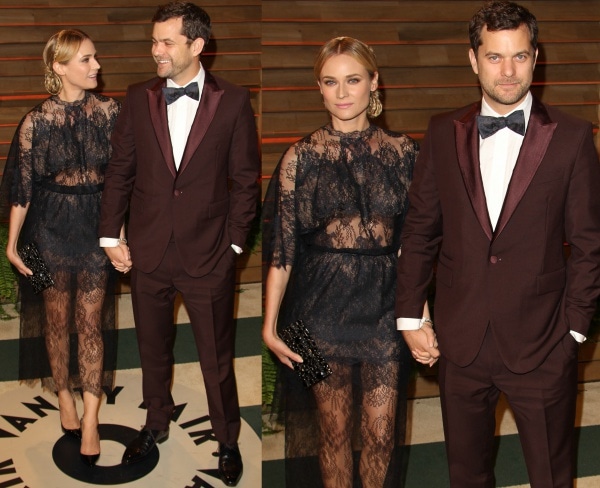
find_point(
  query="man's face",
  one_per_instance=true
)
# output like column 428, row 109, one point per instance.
column 504, row 64
column 175, row 55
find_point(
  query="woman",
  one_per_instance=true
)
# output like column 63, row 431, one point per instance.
column 53, row 181
column 334, row 213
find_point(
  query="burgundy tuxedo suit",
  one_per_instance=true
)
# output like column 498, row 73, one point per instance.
column 180, row 230
column 507, row 298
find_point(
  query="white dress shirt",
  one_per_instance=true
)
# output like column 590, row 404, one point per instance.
column 497, row 158
column 181, row 114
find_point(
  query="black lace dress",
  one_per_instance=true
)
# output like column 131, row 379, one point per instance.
column 56, row 164
column 334, row 212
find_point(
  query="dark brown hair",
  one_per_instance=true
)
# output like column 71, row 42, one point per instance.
column 195, row 20
column 502, row 15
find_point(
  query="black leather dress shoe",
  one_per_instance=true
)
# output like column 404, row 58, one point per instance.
column 230, row 464
column 141, row 446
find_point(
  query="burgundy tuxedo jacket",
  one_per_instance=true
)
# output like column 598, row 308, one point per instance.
column 516, row 279
column 206, row 205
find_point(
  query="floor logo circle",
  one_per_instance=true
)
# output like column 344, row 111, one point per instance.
column 66, row 452
column 34, row 453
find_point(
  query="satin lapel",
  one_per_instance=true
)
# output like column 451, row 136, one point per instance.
column 467, row 150
column 209, row 102
column 537, row 139
column 158, row 115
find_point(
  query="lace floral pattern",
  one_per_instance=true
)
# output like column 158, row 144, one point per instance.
column 334, row 212
column 56, row 165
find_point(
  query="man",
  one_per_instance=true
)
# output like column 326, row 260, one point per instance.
column 510, row 309
column 187, row 160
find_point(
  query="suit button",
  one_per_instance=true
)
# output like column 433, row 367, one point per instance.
column 177, row 193
column 494, row 259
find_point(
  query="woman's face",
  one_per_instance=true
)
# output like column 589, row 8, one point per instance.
column 346, row 85
column 81, row 71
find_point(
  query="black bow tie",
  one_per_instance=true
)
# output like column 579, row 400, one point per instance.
column 488, row 126
column 172, row 94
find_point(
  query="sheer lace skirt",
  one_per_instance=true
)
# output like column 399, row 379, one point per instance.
column 68, row 337
column 347, row 431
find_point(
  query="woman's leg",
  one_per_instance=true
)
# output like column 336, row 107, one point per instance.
column 90, row 438
column 91, row 290
column 56, row 333
column 334, row 402
column 379, row 403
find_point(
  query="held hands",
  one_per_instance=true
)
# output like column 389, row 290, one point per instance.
column 280, row 349
column 119, row 257
column 422, row 344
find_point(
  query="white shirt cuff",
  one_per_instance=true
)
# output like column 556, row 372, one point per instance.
column 578, row 337
column 109, row 242
column 405, row 323
column 112, row 242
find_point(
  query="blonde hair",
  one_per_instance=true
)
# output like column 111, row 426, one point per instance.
column 361, row 53
column 60, row 48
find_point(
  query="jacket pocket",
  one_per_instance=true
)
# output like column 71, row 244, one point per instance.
column 548, row 177
column 219, row 208
column 570, row 346
column 549, row 282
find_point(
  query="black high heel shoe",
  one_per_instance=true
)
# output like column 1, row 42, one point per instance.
column 73, row 433
column 89, row 459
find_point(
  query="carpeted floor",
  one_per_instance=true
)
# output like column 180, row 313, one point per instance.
column 34, row 454
column 427, row 458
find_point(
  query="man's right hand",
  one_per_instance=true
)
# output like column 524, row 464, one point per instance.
column 422, row 344
column 119, row 257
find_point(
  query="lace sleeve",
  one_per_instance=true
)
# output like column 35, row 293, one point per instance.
column 279, row 213
column 112, row 108
column 113, row 112
column 16, row 185
column 22, row 186
column 409, row 151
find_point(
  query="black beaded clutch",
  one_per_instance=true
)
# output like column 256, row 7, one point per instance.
column 40, row 279
column 298, row 339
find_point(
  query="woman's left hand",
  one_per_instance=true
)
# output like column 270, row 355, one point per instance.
column 282, row 351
